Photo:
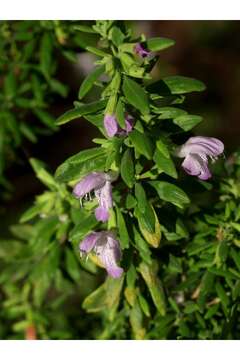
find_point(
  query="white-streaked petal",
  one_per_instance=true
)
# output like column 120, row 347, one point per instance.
column 94, row 180
column 207, row 146
column 194, row 165
column 89, row 242
column 108, row 250
column 104, row 197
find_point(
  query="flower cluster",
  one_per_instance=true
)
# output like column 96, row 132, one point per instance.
column 104, row 244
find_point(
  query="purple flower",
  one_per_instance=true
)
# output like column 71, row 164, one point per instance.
column 196, row 152
column 141, row 51
column 112, row 128
column 107, row 248
column 110, row 124
column 100, row 183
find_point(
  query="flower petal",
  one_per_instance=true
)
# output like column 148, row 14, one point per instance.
column 101, row 214
column 141, row 51
column 194, row 165
column 109, row 253
column 94, row 180
column 128, row 123
column 104, row 197
column 89, row 242
column 207, row 146
column 111, row 125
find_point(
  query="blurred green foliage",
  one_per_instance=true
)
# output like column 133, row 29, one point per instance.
column 30, row 52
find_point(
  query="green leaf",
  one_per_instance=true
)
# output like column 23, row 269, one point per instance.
column 12, row 126
column 165, row 164
column 80, row 164
column 58, row 87
column 80, row 111
column 149, row 225
column 207, row 283
column 72, row 265
column 97, row 51
column 141, row 198
column 136, row 95
column 223, row 296
column 46, row 54
column 182, row 84
column 27, row 131
column 130, row 66
column 171, row 193
column 96, row 301
column 235, row 226
column 142, row 247
column 175, row 85
column 10, row 85
column 154, row 285
column 159, row 43
column 31, row 212
column 107, row 296
column 187, row 122
column 89, row 81
column 122, row 228
column 137, row 323
column 37, row 89
column 43, row 175
column 127, row 169
column 41, row 286
column 116, row 35
column 70, row 55
column 147, row 218
column 96, row 120
column 84, row 28
column 86, row 40
column 130, row 201
column 174, row 265
column 9, row 249
column 236, row 258
column 144, row 305
column 25, row 103
column 162, row 147
column 28, row 50
column 120, row 114
column 24, row 232
column 86, row 223
column 46, row 118
column 142, row 143
column 131, row 276
column 168, row 112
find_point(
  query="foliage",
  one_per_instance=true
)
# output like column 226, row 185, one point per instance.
column 180, row 258
column 30, row 52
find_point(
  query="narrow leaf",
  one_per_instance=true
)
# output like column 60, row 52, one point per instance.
column 127, row 168
column 159, row 43
column 142, row 143
column 154, row 285
column 171, row 193
column 187, row 122
column 135, row 95
column 122, row 228
column 89, row 81
column 80, row 111
column 165, row 164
